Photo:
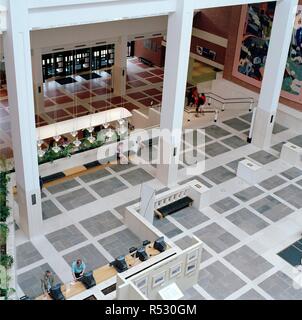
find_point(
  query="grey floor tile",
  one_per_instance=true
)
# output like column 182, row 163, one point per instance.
column 75, row 199
column 95, row 175
column 262, row 157
column 278, row 146
column 292, row 195
column 299, row 183
column 122, row 167
column 192, row 157
column 189, row 217
column 66, row 238
column 237, row 124
column 90, row 255
column 215, row 149
column 121, row 209
column 120, row 243
column 202, row 181
column 195, row 137
column 108, row 187
column 49, row 210
column 192, row 294
column 185, row 242
column 43, row 195
column 27, row 254
column 297, row 140
column 30, row 281
column 271, row 208
column 251, row 295
column 60, row 187
column 280, row 287
column 101, row 223
column 272, row 182
column 216, row 237
column 278, row 128
column 247, row 221
column 168, row 228
column 224, row 205
column 216, row 132
column 248, row 262
column 234, row 164
column 219, row 281
column 247, row 117
column 292, row 173
column 248, row 194
column 137, row 176
column 234, row 142
column 219, row 175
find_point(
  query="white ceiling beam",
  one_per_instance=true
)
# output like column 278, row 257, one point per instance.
column 97, row 12
column 207, row 4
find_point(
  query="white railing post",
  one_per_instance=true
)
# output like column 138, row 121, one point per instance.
column 250, row 137
column 216, row 116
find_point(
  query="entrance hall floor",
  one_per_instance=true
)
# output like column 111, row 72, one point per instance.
column 243, row 229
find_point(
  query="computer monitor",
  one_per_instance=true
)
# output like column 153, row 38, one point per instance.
column 121, row 264
column 146, row 243
column 142, row 254
column 88, row 280
column 56, row 293
column 160, row 244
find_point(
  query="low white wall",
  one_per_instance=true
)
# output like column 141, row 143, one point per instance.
column 183, row 279
column 140, row 226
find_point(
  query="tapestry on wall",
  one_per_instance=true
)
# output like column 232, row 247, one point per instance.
column 252, row 48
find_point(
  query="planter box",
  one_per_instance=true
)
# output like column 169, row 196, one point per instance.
column 105, row 153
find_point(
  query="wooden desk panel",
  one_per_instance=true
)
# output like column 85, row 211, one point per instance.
column 102, row 274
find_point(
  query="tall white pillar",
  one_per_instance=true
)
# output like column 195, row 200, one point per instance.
column 38, row 79
column 176, row 71
column 120, row 67
column 274, row 72
column 20, row 90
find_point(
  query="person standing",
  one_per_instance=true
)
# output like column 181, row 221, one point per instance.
column 47, row 282
column 78, row 268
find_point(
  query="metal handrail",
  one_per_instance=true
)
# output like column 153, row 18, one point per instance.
column 225, row 101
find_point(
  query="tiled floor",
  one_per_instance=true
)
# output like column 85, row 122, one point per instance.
column 243, row 228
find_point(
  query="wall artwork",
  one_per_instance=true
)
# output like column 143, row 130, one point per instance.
column 252, row 48
column 158, row 279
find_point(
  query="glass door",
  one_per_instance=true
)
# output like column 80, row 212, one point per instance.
column 48, row 66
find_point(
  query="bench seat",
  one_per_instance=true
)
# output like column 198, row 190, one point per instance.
column 174, row 207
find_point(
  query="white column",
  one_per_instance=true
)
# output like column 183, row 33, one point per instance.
column 274, row 72
column 120, row 67
column 38, row 79
column 20, row 90
column 176, row 71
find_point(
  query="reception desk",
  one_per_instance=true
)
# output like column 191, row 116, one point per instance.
column 101, row 275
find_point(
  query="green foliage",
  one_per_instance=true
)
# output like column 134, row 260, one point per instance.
column 70, row 149
column 4, row 210
column 4, row 230
column 6, row 261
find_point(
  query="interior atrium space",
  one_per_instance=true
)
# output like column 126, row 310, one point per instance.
column 150, row 150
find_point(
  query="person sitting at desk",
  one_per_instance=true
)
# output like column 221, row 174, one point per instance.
column 78, row 268
column 47, row 282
